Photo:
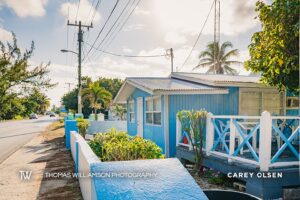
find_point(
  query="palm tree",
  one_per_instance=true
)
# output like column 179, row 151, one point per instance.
column 223, row 58
column 97, row 95
column 119, row 111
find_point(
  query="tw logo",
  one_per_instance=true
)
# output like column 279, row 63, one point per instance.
column 25, row 175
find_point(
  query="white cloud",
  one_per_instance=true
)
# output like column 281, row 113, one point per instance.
column 188, row 16
column 141, row 11
column 134, row 27
column 85, row 12
column 174, row 38
column 126, row 50
column 28, row 8
column 5, row 35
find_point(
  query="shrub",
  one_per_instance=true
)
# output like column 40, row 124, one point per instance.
column 117, row 146
column 18, row 117
column 82, row 125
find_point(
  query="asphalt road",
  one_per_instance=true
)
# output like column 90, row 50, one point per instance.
column 14, row 134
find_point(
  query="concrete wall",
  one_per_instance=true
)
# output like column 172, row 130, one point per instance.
column 84, row 157
column 104, row 126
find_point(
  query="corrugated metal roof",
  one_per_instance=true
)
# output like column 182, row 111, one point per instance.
column 169, row 84
column 221, row 77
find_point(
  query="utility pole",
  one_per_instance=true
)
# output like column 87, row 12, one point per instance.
column 80, row 40
column 171, row 54
column 69, row 86
column 216, row 30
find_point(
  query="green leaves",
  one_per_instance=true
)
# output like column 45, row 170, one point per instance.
column 194, row 123
column 18, row 78
column 117, row 146
column 222, row 62
column 82, row 125
column 274, row 51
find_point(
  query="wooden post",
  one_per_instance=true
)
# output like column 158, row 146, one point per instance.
column 265, row 141
column 232, row 140
column 209, row 134
column 178, row 130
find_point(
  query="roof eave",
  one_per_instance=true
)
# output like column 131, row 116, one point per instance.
column 183, row 92
column 219, row 83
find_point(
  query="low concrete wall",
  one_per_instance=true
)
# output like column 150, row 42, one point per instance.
column 104, row 126
column 169, row 179
column 84, row 157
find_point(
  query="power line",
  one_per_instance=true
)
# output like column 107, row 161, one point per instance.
column 124, row 22
column 96, row 8
column 109, row 31
column 103, row 27
column 124, row 55
column 77, row 9
column 87, row 18
column 200, row 33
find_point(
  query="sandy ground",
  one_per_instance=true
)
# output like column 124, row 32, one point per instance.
column 44, row 153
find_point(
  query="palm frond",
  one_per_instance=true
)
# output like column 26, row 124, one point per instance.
column 233, row 52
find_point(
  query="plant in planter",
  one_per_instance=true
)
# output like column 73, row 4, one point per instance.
column 117, row 146
column 82, row 125
column 194, row 123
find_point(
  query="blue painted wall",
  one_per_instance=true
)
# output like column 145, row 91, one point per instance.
column 151, row 132
column 70, row 125
column 218, row 104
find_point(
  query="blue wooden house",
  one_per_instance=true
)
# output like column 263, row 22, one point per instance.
column 152, row 103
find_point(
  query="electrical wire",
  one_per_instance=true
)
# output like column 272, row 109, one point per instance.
column 103, row 27
column 199, row 34
column 109, row 31
column 77, row 9
column 124, row 55
column 122, row 25
column 90, row 10
column 114, row 24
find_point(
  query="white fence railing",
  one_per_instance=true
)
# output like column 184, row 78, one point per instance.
column 249, row 139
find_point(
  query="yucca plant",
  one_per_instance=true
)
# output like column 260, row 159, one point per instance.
column 194, row 123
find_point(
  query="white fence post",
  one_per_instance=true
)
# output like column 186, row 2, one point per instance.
column 178, row 131
column 265, row 141
column 209, row 134
column 232, row 140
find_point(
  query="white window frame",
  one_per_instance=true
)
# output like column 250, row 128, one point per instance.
column 262, row 91
column 152, row 111
column 131, row 112
column 292, row 99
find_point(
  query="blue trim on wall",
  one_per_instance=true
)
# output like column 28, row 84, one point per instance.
column 76, row 157
column 70, row 125
column 218, row 104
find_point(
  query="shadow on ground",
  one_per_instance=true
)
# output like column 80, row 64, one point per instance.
column 58, row 160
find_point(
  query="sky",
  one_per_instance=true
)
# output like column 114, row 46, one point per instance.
column 153, row 27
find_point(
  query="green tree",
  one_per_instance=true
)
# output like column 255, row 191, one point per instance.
column 274, row 51
column 36, row 102
column 17, row 77
column 120, row 111
column 70, row 101
column 97, row 95
column 111, row 84
column 223, row 58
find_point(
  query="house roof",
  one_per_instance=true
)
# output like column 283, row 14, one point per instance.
column 168, row 85
column 219, row 79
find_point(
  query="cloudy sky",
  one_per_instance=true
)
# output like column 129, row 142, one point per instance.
column 154, row 26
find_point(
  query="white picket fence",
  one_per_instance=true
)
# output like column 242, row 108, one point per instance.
column 226, row 131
